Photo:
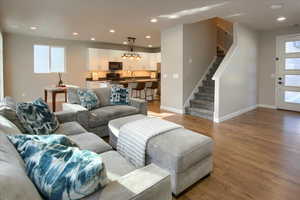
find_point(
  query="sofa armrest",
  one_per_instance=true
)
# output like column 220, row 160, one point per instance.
column 140, row 104
column 66, row 116
column 82, row 114
column 147, row 183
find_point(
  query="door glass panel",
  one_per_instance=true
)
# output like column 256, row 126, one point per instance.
column 292, row 63
column 292, row 47
column 292, row 80
column 292, row 97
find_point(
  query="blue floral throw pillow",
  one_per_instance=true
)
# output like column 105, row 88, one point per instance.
column 37, row 118
column 60, row 172
column 119, row 96
column 88, row 99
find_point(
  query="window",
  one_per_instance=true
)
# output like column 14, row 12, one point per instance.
column 48, row 59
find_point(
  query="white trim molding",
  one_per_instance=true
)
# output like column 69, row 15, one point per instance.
column 267, row 106
column 172, row 109
column 187, row 101
column 235, row 114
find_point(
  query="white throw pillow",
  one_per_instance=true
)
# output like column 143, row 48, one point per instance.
column 7, row 127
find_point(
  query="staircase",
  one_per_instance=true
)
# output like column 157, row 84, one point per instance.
column 202, row 105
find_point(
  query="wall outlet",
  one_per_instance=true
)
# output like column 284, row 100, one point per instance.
column 165, row 76
column 23, row 94
column 190, row 60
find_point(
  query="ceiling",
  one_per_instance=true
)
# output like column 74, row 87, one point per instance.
column 94, row 18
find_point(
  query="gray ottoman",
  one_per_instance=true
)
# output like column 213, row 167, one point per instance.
column 185, row 154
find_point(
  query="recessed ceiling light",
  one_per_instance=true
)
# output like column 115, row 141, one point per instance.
column 75, row 33
column 276, row 6
column 93, row 39
column 173, row 16
column 125, row 43
column 150, row 46
column 148, row 37
column 281, row 19
column 153, row 20
column 33, row 27
column 112, row 30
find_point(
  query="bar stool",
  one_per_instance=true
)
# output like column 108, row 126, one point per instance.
column 138, row 89
column 152, row 88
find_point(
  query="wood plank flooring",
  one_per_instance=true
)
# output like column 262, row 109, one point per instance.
column 256, row 155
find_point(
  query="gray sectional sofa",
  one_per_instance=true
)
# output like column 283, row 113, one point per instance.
column 96, row 120
column 126, row 182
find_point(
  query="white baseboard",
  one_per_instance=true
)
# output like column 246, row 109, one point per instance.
column 235, row 114
column 267, row 106
column 171, row 109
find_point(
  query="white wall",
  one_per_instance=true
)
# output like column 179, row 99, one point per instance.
column 236, row 78
column 172, row 69
column 267, row 64
column 199, row 49
column 187, row 50
column 20, row 81
column 1, row 66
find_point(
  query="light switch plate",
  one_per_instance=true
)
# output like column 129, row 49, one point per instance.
column 175, row 76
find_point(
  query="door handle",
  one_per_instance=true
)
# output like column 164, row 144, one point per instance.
column 279, row 78
column 279, row 82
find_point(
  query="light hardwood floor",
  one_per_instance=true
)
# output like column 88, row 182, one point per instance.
column 256, row 155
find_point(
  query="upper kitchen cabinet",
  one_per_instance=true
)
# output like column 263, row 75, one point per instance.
column 98, row 59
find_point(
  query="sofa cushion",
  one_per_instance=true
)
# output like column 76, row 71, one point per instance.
column 8, row 110
column 116, row 165
column 72, row 96
column 14, row 182
column 88, row 99
column 7, row 127
column 37, row 118
column 119, row 96
column 70, row 128
column 61, row 172
column 115, row 125
column 103, row 115
column 190, row 148
column 91, row 142
column 104, row 95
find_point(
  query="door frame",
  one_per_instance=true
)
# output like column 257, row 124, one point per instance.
column 279, row 39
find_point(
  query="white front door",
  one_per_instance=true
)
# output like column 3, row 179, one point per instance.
column 288, row 73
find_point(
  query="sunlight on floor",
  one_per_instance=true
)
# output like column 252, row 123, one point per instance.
column 160, row 115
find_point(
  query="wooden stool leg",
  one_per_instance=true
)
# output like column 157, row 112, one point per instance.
column 53, row 101
column 46, row 95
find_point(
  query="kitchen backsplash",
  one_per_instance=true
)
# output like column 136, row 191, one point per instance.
column 123, row 73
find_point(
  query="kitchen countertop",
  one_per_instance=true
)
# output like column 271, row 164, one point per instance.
column 127, row 80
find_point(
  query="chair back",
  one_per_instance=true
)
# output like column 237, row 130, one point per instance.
column 154, row 85
column 140, row 86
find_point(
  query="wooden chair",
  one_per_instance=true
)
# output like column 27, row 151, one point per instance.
column 152, row 88
column 138, row 89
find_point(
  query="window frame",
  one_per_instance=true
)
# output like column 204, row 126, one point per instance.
column 50, row 56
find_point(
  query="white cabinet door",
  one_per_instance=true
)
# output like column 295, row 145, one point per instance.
column 152, row 62
column 98, row 59
column 103, row 59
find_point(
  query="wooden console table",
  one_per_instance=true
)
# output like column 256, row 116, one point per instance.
column 54, row 91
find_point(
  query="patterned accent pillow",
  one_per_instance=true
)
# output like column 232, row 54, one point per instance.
column 88, row 99
column 119, row 96
column 21, row 140
column 37, row 118
column 60, row 172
